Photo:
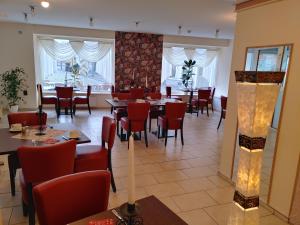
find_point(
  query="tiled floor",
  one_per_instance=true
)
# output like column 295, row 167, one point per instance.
column 184, row 178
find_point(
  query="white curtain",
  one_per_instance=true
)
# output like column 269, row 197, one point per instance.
column 64, row 50
column 104, row 67
column 48, row 65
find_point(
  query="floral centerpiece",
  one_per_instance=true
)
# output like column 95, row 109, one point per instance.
column 75, row 72
column 187, row 72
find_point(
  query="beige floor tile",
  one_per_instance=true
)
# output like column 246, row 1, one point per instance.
column 197, row 217
column 219, row 181
column 169, row 176
column 164, row 190
column 272, row 220
column 140, row 181
column 120, row 197
column 175, row 165
column 5, row 214
column 196, row 184
column 148, row 168
column 191, row 201
column 198, row 172
column 222, row 195
column 17, row 216
column 6, row 200
column 202, row 161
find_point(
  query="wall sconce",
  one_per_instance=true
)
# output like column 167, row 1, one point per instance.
column 257, row 94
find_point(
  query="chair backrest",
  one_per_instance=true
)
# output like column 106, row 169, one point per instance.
column 138, row 111
column 42, row 163
column 153, row 89
column 64, row 92
column 168, row 91
column 137, row 93
column 112, row 89
column 26, row 118
column 73, row 197
column 39, row 87
column 175, row 110
column 223, row 102
column 88, row 91
column 121, row 96
column 108, row 131
column 204, row 94
column 154, row 95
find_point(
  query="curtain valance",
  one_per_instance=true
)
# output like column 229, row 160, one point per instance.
column 176, row 56
column 66, row 50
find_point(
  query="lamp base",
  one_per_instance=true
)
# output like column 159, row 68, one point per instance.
column 246, row 203
column 130, row 213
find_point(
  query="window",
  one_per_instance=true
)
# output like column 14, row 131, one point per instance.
column 173, row 60
column 58, row 56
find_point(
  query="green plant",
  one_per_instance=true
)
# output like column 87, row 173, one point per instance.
column 187, row 71
column 12, row 83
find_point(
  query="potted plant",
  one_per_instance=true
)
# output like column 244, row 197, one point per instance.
column 75, row 73
column 12, row 84
column 187, row 72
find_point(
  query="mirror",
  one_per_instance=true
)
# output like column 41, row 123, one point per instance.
column 273, row 58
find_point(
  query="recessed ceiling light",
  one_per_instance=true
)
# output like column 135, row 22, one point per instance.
column 45, row 4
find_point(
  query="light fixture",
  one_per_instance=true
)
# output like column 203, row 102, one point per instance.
column 179, row 29
column 32, row 10
column 45, row 4
column 189, row 31
column 217, row 33
column 25, row 16
column 257, row 94
column 91, row 21
column 137, row 23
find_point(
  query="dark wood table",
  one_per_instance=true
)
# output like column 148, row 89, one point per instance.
column 9, row 145
column 152, row 211
column 124, row 103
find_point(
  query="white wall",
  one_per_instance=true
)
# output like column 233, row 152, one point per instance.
column 270, row 24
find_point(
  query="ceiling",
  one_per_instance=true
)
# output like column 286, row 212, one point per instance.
column 202, row 17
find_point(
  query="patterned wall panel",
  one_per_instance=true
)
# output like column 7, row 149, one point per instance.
column 141, row 54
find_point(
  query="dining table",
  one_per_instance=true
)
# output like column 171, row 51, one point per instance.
column 9, row 144
column 151, row 212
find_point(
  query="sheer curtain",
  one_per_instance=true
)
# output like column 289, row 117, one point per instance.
column 104, row 68
column 205, row 64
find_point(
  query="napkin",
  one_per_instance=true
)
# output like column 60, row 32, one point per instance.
column 102, row 222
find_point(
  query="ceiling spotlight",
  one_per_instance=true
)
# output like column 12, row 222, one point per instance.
column 45, row 4
column 32, row 10
column 179, row 29
column 91, row 21
column 217, row 33
column 189, row 31
column 25, row 16
column 137, row 23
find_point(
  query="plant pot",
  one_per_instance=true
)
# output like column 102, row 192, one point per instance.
column 13, row 108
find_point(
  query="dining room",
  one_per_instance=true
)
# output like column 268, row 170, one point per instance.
column 117, row 117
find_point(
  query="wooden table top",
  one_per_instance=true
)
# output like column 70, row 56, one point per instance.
column 10, row 145
column 153, row 212
column 124, row 103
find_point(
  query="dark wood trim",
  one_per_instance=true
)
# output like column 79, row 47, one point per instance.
column 251, row 3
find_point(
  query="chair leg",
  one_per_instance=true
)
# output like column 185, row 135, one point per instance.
column 201, row 109
column 207, row 110
column 166, row 136
column 74, row 109
column 181, row 132
column 89, row 108
column 71, row 111
column 220, row 120
column 25, row 209
column 113, row 185
column 149, row 124
column 176, row 133
column 111, row 110
column 158, row 132
column 212, row 106
column 31, row 210
column 145, row 133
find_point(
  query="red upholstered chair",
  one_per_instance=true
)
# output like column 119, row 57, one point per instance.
column 169, row 94
column 137, row 93
column 173, row 120
column 155, row 111
column 202, row 100
column 83, row 100
column 118, row 113
column 69, row 198
column 47, row 100
column 136, row 120
column 64, row 99
column 91, row 157
column 40, row 164
column 26, row 118
column 223, row 109
column 211, row 98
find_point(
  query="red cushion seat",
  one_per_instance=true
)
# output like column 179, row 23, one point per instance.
column 80, row 100
column 91, row 157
